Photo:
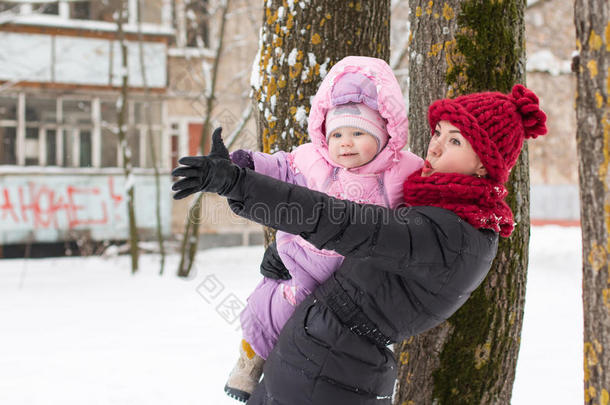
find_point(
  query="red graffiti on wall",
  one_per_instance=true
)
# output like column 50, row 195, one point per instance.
column 43, row 207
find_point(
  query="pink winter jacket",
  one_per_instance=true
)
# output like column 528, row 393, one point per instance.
column 354, row 79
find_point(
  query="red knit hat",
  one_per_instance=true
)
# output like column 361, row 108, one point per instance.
column 495, row 124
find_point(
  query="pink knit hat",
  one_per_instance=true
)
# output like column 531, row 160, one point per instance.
column 358, row 116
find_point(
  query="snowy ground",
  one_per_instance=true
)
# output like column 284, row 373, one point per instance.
column 85, row 331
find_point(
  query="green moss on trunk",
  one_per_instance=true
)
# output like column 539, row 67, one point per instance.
column 489, row 54
column 480, row 353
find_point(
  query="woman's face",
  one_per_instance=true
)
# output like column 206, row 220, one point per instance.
column 450, row 152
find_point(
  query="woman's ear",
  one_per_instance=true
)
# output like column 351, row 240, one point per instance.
column 481, row 171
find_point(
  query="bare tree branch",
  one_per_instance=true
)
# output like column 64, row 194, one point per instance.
column 245, row 117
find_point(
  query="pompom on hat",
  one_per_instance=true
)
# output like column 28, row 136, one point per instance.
column 495, row 124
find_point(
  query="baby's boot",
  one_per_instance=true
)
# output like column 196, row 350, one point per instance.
column 245, row 375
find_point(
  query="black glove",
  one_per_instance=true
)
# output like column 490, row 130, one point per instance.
column 272, row 265
column 214, row 173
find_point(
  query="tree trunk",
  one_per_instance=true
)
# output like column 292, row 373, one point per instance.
column 593, row 143
column 126, row 152
column 151, row 147
column 299, row 43
column 190, row 240
column 461, row 47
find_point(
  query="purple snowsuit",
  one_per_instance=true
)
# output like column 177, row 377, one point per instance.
column 353, row 79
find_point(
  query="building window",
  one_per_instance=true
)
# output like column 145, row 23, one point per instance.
column 8, row 145
column 8, row 129
column 85, row 144
column 151, row 12
column 191, row 22
column 80, row 10
column 144, row 120
column 110, row 139
column 197, row 18
column 63, row 131
column 84, row 9
column 40, row 116
column 51, row 147
column 174, row 141
column 47, row 8
column 77, row 124
column 9, row 7
column 32, row 146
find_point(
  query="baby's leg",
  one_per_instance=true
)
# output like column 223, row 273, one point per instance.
column 245, row 375
column 269, row 307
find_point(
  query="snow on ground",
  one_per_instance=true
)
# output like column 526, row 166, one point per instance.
column 84, row 330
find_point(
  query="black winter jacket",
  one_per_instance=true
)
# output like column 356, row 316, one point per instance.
column 407, row 269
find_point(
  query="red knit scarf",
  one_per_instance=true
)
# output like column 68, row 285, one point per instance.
column 479, row 201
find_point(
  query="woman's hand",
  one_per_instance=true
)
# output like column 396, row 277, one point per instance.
column 214, row 173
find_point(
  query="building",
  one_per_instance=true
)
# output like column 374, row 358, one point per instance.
column 61, row 176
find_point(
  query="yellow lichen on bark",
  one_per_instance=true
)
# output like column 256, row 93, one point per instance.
column 448, row 13
column 295, row 70
column 289, row 22
column 481, row 355
column 271, row 88
column 592, row 66
column 595, row 41
column 278, row 41
column 418, row 11
column 315, row 39
column 592, row 392
column 429, row 7
column 404, row 358
column 599, row 99
column 271, row 17
column 435, row 49
column 604, row 398
column 266, row 142
column 597, row 257
column 590, row 358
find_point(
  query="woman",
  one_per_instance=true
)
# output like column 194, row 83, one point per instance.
column 405, row 270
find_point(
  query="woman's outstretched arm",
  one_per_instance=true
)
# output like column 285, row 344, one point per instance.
column 351, row 229
column 404, row 236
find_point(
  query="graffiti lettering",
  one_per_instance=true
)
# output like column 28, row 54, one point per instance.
column 65, row 206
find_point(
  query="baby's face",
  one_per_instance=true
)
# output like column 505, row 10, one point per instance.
column 351, row 147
